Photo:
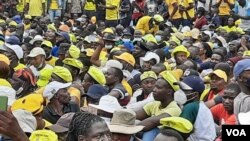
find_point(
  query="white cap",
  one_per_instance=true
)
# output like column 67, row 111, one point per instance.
column 36, row 51
column 108, row 104
column 36, row 38
column 185, row 29
column 222, row 40
column 207, row 33
column 9, row 92
column 52, row 88
column 150, row 56
column 17, row 49
column 25, row 120
column 112, row 64
column 244, row 118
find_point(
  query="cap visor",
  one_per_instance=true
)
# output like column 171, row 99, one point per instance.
column 103, row 108
column 183, row 86
column 124, row 129
column 42, row 83
column 58, row 129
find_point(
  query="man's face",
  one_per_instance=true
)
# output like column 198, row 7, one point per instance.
column 137, row 52
column 12, row 28
column 228, row 99
column 216, row 58
column 217, row 83
column 87, row 82
column 98, row 131
column 193, row 52
column 244, row 77
column 232, row 47
column 47, row 51
column 12, row 57
column 37, row 43
column 110, row 76
column 230, row 21
column 37, row 61
column 120, row 137
column 63, row 96
column 147, row 65
column 181, row 57
column 42, row 24
column 26, row 21
column 160, row 90
column 204, row 37
column 148, row 85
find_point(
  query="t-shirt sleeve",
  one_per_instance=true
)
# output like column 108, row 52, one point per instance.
column 43, row 1
column 190, row 112
column 148, row 108
column 190, row 1
column 216, row 112
column 121, row 90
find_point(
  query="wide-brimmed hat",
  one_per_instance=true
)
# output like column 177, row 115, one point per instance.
column 123, row 122
column 62, row 125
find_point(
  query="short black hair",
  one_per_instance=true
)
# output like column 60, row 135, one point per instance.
column 223, row 66
column 118, row 73
column 172, row 133
column 234, row 86
column 194, row 66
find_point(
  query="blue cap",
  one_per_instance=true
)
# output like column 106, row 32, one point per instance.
column 13, row 40
column 17, row 19
column 241, row 66
column 129, row 45
column 64, row 35
column 96, row 91
column 192, row 82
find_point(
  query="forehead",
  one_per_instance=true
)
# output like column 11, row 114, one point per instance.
column 216, row 56
column 229, row 92
column 245, row 73
column 161, row 82
column 98, row 128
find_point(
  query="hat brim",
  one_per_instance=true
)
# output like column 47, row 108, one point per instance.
column 125, row 129
column 183, row 86
column 104, row 108
column 42, row 83
column 58, row 129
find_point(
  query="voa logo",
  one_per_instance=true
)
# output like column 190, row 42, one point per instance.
column 236, row 132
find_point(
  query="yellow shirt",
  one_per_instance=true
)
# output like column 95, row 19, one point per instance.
column 90, row 6
column 143, row 26
column 186, row 3
column 154, row 109
column 19, row 66
column 127, row 87
column 113, row 14
column 35, row 7
column 233, row 29
column 52, row 61
column 224, row 8
column 4, row 82
column 170, row 3
column 53, row 5
column 20, row 6
column 26, row 26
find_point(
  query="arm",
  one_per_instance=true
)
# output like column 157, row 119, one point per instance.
column 26, row 8
column 115, row 94
column 217, row 4
column 110, row 7
column 95, row 57
column 175, row 5
column 43, row 9
column 231, row 5
column 190, row 6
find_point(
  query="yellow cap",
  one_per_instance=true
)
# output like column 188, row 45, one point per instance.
column 195, row 33
column 74, row 52
column 89, row 52
column 129, row 58
column 211, row 45
column 32, row 103
column 52, row 27
column 175, row 39
column 97, row 74
column 220, row 74
column 93, row 19
column 108, row 30
column 73, row 62
column 5, row 59
column 246, row 53
column 169, row 77
column 43, row 135
column 149, row 38
column 63, row 73
column 158, row 18
column 177, row 73
column 115, row 49
column 187, row 34
column 44, row 77
column 12, row 23
column 2, row 21
column 27, row 17
column 238, row 22
column 180, row 48
column 178, row 35
column 178, row 123
column 148, row 74
column 47, row 43
column 4, row 82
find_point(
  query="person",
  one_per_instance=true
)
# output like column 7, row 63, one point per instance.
column 54, row 7
column 94, row 93
column 163, row 106
column 74, row 66
column 241, row 74
column 149, row 60
column 47, row 47
column 139, row 9
column 201, row 19
column 231, row 27
column 86, row 126
column 144, row 95
column 37, row 60
column 180, row 55
column 125, row 13
column 35, row 8
column 122, row 125
column 186, row 9
column 240, row 11
column 59, row 101
column 114, row 77
column 149, row 25
column 195, row 110
column 75, row 8
column 174, row 13
column 225, row 7
column 90, row 8
column 62, row 37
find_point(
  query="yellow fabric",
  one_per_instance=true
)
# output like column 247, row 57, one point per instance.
column 52, row 61
column 73, row 62
column 170, row 3
column 20, row 5
column 43, row 135
column 47, row 43
column 143, row 26
column 186, row 3
column 27, row 17
column 177, row 74
column 148, row 74
column 44, row 77
column 205, row 92
column 19, row 66
column 72, row 37
column 127, row 87
column 154, row 109
column 47, row 123
column 51, row 27
column 180, row 48
column 224, row 8
column 129, row 58
column 149, row 38
column 63, row 73
column 5, row 59
column 233, row 29
column 107, row 30
column 12, row 23
column 178, row 123
column 158, row 18
column 53, row 5
column 113, row 14
column 75, row 92
column 26, row 26
column 4, row 82
column 97, row 75
column 175, row 39
column 74, row 52
column 35, row 7
column 170, row 78
column 220, row 73
column 90, row 6
column 1, row 42
column 246, row 53
column 32, row 103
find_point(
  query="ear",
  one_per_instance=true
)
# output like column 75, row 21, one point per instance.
column 82, row 138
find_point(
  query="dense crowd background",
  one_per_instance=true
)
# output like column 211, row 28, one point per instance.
column 123, row 70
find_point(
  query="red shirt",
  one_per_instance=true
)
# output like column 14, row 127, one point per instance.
column 136, row 13
column 220, row 113
column 199, row 22
column 211, row 94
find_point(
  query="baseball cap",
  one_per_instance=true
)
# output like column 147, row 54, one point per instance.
column 47, row 44
column 74, row 52
column 62, row 125
column 158, row 18
column 44, row 77
column 43, row 135
column 13, row 40
column 36, row 51
column 63, row 73
column 32, row 103
column 220, row 73
column 73, row 62
column 178, row 123
column 65, row 35
column 180, row 48
column 27, row 17
column 97, row 75
column 129, row 58
column 192, row 82
column 53, row 87
column 5, row 59
column 12, row 23
column 207, row 33
column 16, row 48
column 244, row 118
column 148, row 74
column 96, row 91
column 36, row 38
column 222, row 40
column 151, row 55
column 64, row 28
column 170, row 78
column 241, row 66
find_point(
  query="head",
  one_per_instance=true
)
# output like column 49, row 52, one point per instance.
column 88, row 127
column 162, row 90
column 62, row 96
column 234, row 46
column 205, row 37
column 217, row 82
column 12, row 57
column 113, row 76
column 73, row 70
column 230, row 92
column 194, row 52
column 230, row 22
column 88, row 81
column 225, row 67
column 159, row 36
column 147, row 65
column 158, row 68
column 169, row 135
column 180, row 57
column 191, row 64
column 42, row 23
column 242, row 75
column 201, row 11
column 38, row 61
column 4, row 70
column 216, row 58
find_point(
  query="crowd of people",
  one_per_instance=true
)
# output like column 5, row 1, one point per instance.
column 123, row 70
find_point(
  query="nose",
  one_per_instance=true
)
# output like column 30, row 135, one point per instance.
column 227, row 100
